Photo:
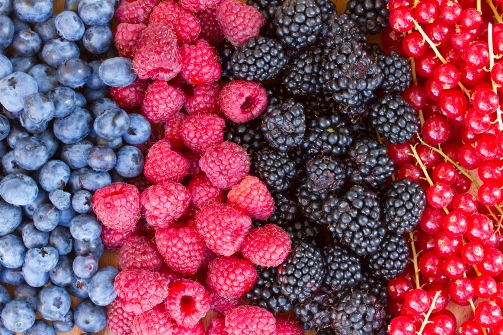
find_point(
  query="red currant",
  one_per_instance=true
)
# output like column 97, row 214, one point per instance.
column 464, row 203
column 415, row 96
column 450, row 12
column 431, row 221
column 462, row 184
column 485, row 101
column 461, row 39
column 436, row 130
column 442, row 298
column 439, row 195
column 486, row 147
column 490, row 171
column 391, row 38
column 461, row 290
column 477, row 122
column 401, row 325
column 470, row 327
column 470, row 19
column 497, row 296
column 442, row 325
column 399, row 287
column 490, row 194
column 439, row 32
column 411, row 172
column 485, row 286
column 427, row 63
column 430, row 264
column 455, row 223
column 414, row 45
column 468, row 158
column 400, row 153
column 487, row 314
column 433, row 89
column 447, row 75
column 444, row 173
column 480, row 228
column 472, row 253
column 427, row 242
column 453, row 103
column 417, row 300
column 426, row 11
column 471, row 76
column 476, row 55
column 427, row 156
column 395, row 307
column 454, row 267
column 446, row 245
column 497, row 73
column 492, row 264
column 401, row 19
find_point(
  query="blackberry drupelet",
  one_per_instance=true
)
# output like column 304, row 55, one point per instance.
column 354, row 114
column 258, row 59
column 302, row 74
column 377, row 287
column 369, row 163
column 284, row 125
column 285, row 209
column 344, row 269
column 356, row 221
column 302, row 273
column 267, row 8
column 397, row 72
column 371, row 15
column 325, row 173
column 317, row 106
column 404, row 203
column 340, row 28
column 225, row 50
column 391, row 258
column 274, row 168
column 327, row 134
column 375, row 49
column 317, row 206
column 249, row 135
column 297, row 23
column 303, row 230
column 327, row 8
column 266, row 293
column 314, row 312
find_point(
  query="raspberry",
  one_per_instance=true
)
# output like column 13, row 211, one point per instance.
column 223, row 305
column 210, row 29
column 130, row 96
column 193, row 158
column 222, row 228
column 162, row 101
column 202, row 191
column 231, row 277
column 182, row 248
column 185, row 25
column 119, row 321
column 216, row 327
column 153, row 321
column 140, row 290
column 164, row 203
column 138, row 252
column 197, row 5
column 173, row 132
column 135, row 11
column 251, row 197
column 200, row 131
column 157, row 55
column 288, row 326
column 163, row 164
column 126, row 37
column 200, row 63
column 117, row 206
column 187, row 302
column 155, row 136
column 242, row 101
column 239, row 22
column 113, row 239
column 249, row 320
column 267, row 246
column 196, row 330
column 225, row 164
column 208, row 255
column 169, row 274
column 203, row 99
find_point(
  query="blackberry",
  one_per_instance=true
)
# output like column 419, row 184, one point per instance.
column 225, row 51
column 325, row 172
column 284, row 125
column 266, row 8
column 374, row 286
column 397, row 72
column 338, row 29
column 314, row 312
column 326, row 331
column 404, row 204
column 356, row 221
column 391, row 258
column 375, row 49
column 266, row 293
column 258, row 59
column 327, row 8
column 303, row 230
column 344, row 269
column 318, row 106
column 302, row 74
column 274, row 168
column 297, row 23
column 285, row 209
column 316, row 206
column 302, row 272
column 371, row 15
column 248, row 135
column 354, row 114
column 327, row 134
column 369, row 163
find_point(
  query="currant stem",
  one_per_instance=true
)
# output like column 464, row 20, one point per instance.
column 426, row 317
column 497, row 16
column 414, row 81
column 414, row 260
column 491, row 64
column 479, row 6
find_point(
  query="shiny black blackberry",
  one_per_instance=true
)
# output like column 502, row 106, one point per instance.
column 354, row 114
column 344, row 268
column 376, row 287
column 284, row 125
column 394, row 118
column 304, row 230
column 356, row 221
column 225, row 50
column 371, row 15
column 317, row 206
column 249, row 135
column 404, row 203
column 326, row 331
column 267, row 8
column 325, row 173
column 286, row 209
column 266, row 293
column 317, row 106
column 397, row 72
column 274, row 168
column 302, row 273
column 327, row 8
column 302, row 74
column 391, row 258
column 340, row 28
column 369, row 163
column 327, row 134
column 258, row 59
column 314, row 313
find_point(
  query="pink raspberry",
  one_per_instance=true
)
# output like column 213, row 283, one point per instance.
column 119, row 321
column 196, row 330
column 225, row 164
column 126, row 37
column 185, row 25
column 231, row 277
column 169, row 274
column 157, row 55
column 173, row 131
column 202, row 191
column 250, row 320
column 193, row 158
column 200, row 131
column 130, row 96
column 182, row 248
column 138, row 252
column 267, row 246
column 203, row 99
column 163, row 164
column 187, row 302
column 162, row 101
column 112, row 239
column 251, row 197
column 216, row 327
column 208, row 255
column 242, row 101
column 222, row 228
column 197, row 5
column 288, row 326
column 239, row 22
column 210, row 29
column 223, row 305
column 135, row 11
column 200, row 63
column 153, row 321
column 117, row 206
column 140, row 290
column 164, row 203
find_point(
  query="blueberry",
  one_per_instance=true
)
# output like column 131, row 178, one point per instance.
column 40, row 328
column 90, row 317
column 53, row 302
column 5, row 66
column 34, row 238
column 60, row 199
column 66, row 216
column 94, row 247
column 45, row 76
column 18, row 23
column 72, row 5
column 101, row 158
column 22, row 63
column 42, row 197
column 94, row 12
column 112, row 124
column 69, row 26
column 139, row 130
column 81, row 201
column 115, row 144
column 56, row 51
column 85, row 228
column 87, row 179
column 75, row 155
column 6, row 31
column 101, row 287
column 5, row 7
column 74, row 73
column 15, row 88
column 50, row 141
column 85, row 266
column 64, row 100
column 17, row 316
column 31, row 125
column 117, row 71
column 18, row 189
column 33, row 11
column 3, row 330
column 4, row 297
column 10, row 217
column 12, row 251
column 3, row 150
column 80, row 100
column 47, row 29
column 98, row 39
column 78, row 288
column 10, row 165
column 11, row 276
column 54, row 175
column 35, row 278
column 130, row 162
column 117, row 178
column 31, row 153
column 100, row 106
column 27, row 43
column 95, row 82
column 26, row 293
column 65, row 324
column 39, row 108
column 62, row 274
column 93, row 95
column 74, row 127
column 46, row 217
column 41, row 259
column 5, row 127
column 61, row 240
